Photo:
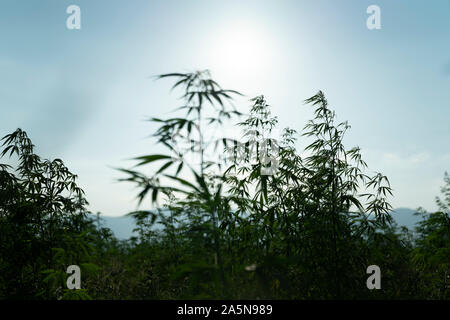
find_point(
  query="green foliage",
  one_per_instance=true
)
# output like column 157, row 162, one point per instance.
column 307, row 231
column 270, row 222
column 432, row 252
column 43, row 225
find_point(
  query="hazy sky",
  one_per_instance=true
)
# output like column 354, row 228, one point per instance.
column 82, row 95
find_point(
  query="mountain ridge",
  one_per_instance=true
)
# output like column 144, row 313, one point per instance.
column 122, row 226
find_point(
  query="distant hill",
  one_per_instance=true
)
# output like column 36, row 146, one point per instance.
column 123, row 226
column 405, row 217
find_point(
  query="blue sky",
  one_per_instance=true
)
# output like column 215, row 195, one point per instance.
column 83, row 95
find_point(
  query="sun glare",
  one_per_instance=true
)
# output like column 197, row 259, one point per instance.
column 241, row 49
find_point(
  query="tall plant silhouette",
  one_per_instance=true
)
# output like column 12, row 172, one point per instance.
column 204, row 103
column 307, row 215
column 322, row 202
column 42, row 210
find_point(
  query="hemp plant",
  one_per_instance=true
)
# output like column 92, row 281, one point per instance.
column 199, row 190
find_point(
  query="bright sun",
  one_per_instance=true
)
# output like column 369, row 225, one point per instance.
column 241, row 49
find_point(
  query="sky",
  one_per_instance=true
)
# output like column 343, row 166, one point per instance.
column 83, row 95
